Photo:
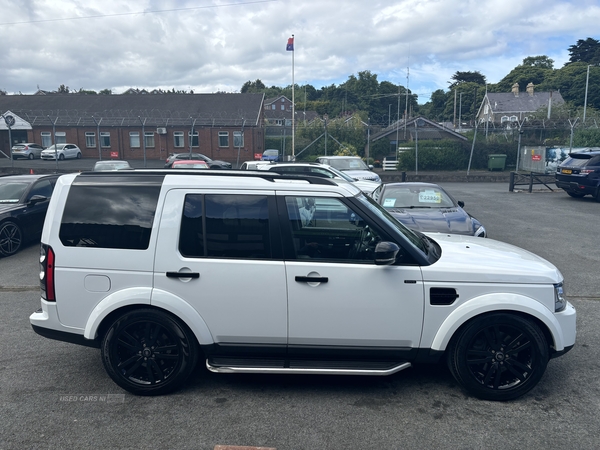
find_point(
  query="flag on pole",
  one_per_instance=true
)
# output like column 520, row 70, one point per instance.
column 290, row 45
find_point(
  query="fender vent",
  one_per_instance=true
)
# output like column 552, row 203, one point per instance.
column 442, row 296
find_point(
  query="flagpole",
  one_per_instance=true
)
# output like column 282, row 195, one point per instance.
column 293, row 108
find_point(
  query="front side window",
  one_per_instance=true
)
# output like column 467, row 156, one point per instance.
column 90, row 139
column 238, row 139
column 105, row 139
column 328, row 230
column 134, row 139
column 178, row 139
column 225, row 226
column 46, row 139
column 105, row 216
column 149, row 139
column 223, row 139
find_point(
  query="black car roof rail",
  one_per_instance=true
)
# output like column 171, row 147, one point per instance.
column 266, row 175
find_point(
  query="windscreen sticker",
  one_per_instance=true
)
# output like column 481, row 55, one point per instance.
column 430, row 197
column 389, row 202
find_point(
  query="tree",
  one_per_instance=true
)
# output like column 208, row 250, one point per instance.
column 587, row 51
column 63, row 89
column 467, row 77
column 252, row 87
column 542, row 61
column 105, row 92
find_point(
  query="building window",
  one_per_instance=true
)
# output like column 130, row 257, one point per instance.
column 283, row 107
column 513, row 118
column 105, row 139
column 273, row 107
column 178, row 139
column 90, row 139
column 149, row 139
column 486, row 109
column 223, row 138
column 238, row 139
column 46, row 139
column 504, row 119
column 134, row 139
column 193, row 139
column 60, row 137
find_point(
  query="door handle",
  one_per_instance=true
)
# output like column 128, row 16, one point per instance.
column 312, row 279
column 183, row 275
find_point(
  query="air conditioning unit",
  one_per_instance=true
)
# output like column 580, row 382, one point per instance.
column 161, row 130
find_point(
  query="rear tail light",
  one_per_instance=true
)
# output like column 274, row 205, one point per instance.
column 47, row 273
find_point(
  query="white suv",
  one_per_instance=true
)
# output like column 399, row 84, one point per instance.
column 161, row 269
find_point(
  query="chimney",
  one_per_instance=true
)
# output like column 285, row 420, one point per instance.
column 515, row 89
column 530, row 89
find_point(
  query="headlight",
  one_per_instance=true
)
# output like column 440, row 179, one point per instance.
column 480, row 232
column 560, row 300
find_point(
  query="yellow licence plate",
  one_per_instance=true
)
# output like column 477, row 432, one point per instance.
column 567, row 171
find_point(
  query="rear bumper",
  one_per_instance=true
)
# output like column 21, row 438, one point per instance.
column 576, row 187
column 45, row 322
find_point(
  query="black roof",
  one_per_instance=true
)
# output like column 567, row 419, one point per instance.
column 130, row 110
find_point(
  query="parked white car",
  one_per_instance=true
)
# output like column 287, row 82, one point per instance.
column 162, row 268
column 320, row 170
column 61, row 151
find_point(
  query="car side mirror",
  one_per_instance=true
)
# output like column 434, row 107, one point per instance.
column 386, row 253
column 461, row 203
column 37, row 199
column 371, row 166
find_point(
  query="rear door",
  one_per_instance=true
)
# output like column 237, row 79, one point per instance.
column 229, row 243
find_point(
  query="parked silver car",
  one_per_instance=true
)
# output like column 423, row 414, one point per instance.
column 352, row 166
column 28, row 150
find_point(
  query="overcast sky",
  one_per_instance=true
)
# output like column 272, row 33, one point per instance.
column 218, row 45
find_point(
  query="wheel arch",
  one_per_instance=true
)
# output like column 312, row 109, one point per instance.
column 128, row 300
column 499, row 303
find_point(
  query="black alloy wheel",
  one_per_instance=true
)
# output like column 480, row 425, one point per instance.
column 498, row 356
column 149, row 352
column 11, row 238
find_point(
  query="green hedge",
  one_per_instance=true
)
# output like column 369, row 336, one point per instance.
column 452, row 155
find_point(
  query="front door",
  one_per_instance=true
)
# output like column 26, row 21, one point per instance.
column 340, row 303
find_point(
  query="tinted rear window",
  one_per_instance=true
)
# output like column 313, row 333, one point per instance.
column 106, row 216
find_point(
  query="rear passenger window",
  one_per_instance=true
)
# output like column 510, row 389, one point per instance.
column 109, row 216
column 225, row 226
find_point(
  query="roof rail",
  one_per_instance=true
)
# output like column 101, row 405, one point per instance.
column 266, row 175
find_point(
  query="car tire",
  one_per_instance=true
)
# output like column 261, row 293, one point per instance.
column 78, row 155
column 149, row 352
column 498, row 356
column 31, row 156
column 11, row 238
column 61, row 157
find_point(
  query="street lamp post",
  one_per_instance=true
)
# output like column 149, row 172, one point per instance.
column 587, row 82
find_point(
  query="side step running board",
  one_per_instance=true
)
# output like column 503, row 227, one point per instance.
column 308, row 371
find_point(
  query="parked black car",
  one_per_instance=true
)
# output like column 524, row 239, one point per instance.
column 23, row 203
column 212, row 163
column 427, row 207
column 579, row 174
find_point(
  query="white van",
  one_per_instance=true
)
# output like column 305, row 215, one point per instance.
column 268, row 273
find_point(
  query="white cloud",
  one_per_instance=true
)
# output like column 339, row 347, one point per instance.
column 217, row 45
